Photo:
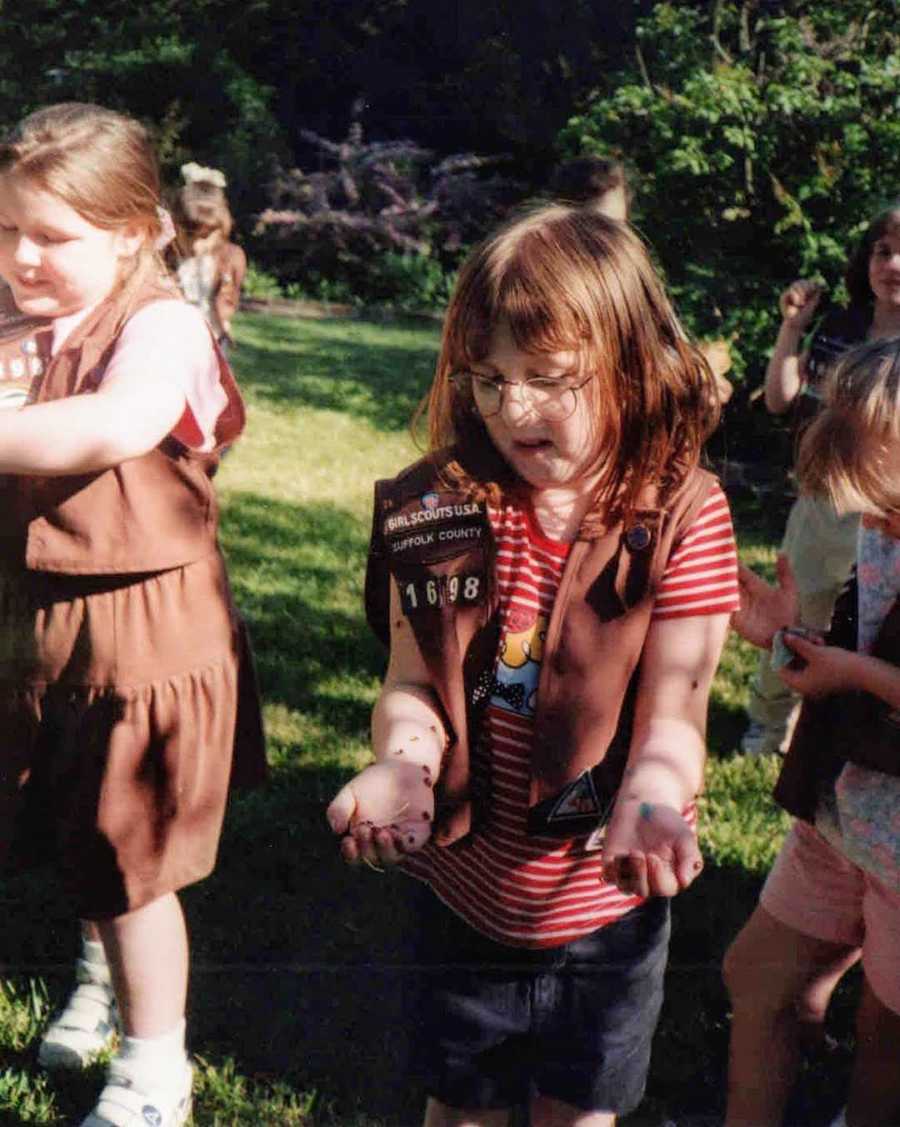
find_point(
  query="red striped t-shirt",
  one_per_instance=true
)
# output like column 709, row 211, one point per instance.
column 534, row 891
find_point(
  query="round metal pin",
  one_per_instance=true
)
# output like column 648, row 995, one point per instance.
column 638, row 537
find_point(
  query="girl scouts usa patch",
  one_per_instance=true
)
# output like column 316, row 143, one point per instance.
column 432, row 528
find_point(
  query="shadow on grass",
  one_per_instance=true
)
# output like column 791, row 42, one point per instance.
column 372, row 372
column 725, row 726
column 688, row 1074
column 303, row 971
column 302, row 965
column 297, row 573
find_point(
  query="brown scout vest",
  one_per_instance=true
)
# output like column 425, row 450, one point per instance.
column 123, row 519
column 438, row 546
column 849, row 727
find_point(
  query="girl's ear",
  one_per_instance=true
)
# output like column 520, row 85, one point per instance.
column 130, row 239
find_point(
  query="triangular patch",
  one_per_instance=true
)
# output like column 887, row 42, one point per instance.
column 578, row 800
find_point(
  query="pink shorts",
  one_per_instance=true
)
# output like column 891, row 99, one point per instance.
column 815, row 890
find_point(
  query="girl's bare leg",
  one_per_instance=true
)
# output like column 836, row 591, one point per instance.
column 546, row 1112
column 441, row 1115
column 875, row 1082
column 147, row 951
column 772, row 972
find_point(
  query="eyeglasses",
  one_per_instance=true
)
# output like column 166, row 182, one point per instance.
column 554, row 398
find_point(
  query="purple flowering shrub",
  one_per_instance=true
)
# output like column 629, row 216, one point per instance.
column 384, row 222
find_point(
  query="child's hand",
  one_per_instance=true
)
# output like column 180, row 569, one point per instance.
column 798, row 303
column 385, row 811
column 650, row 850
column 765, row 609
column 824, row 669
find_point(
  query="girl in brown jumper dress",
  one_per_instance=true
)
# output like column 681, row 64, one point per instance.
column 123, row 663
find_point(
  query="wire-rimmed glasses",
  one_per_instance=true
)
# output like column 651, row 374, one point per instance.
column 554, row 398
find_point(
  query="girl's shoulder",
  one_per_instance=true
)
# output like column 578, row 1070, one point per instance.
column 231, row 255
column 171, row 316
column 170, row 337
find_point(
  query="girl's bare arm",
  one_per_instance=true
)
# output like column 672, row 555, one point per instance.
column 786, row 371
column 388, row 808
column 649, row 848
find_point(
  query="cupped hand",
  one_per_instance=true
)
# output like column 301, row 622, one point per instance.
column 825, row 669
column 798, row 302
column 385, row 811
column 650, row 850
column 764, row 608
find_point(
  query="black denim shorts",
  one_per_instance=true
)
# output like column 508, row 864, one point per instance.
column 496, row 1024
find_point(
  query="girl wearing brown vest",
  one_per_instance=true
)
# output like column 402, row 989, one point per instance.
column 554, row 581
column 123, row 663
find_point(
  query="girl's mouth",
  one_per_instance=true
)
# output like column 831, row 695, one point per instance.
column 531, row 443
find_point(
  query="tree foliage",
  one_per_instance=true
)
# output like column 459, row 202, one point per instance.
column 764, row 137
column 383, row 221
column 172, row 65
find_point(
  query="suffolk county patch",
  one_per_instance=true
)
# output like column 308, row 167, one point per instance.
column 433, row 528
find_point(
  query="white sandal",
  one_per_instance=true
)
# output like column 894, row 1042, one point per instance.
column 88, row 1024
column 126, row 1103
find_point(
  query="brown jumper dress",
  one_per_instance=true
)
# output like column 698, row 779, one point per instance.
column 128, row 702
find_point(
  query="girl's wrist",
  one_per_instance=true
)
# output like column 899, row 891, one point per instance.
column 411, row 744
column 650, row 792
column 789, row 330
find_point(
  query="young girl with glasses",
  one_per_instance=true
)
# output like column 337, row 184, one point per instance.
column 554, row 580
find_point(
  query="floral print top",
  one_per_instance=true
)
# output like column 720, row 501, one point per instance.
column 861, row 818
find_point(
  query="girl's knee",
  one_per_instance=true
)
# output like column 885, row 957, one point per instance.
column 438, row 1114
column 755, row 966
column 741, row 973
column 546, row 1112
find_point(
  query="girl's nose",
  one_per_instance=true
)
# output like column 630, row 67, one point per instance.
column 516, row 403
column 27, row 253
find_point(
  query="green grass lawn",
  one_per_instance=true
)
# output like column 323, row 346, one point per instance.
column 300, row 965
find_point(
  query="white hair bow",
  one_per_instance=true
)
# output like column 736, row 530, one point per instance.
column 194, row 173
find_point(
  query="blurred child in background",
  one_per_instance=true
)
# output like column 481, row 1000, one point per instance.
column 210, row 267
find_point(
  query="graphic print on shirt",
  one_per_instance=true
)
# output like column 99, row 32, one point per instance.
column 519, row 660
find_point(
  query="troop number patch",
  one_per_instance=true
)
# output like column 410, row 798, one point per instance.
column 440, row 591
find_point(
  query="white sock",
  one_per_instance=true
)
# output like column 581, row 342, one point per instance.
column 158, row 1060
column 92, row 952
column 840, row 1120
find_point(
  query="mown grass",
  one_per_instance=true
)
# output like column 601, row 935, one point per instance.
column 300, row 965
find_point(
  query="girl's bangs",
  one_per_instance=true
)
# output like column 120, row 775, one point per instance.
column 539, row 318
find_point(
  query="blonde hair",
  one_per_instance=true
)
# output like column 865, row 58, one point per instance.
column 565, row 278
column 843, row 453
column 99, row 162
column 200, row 203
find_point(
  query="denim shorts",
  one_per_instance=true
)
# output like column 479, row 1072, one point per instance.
column 574, row 1023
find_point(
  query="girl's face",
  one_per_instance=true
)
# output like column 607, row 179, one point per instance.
column 884, row 271
column 543, row 452
column 55, row 261
column 889, row 522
